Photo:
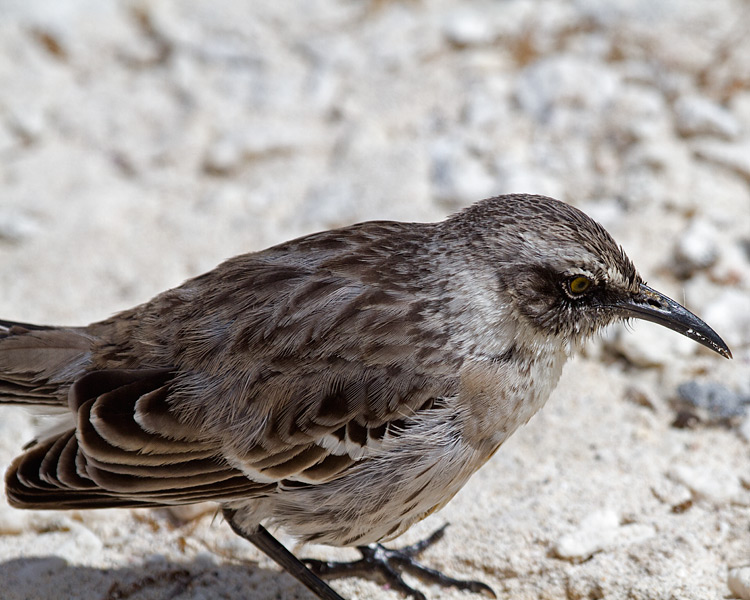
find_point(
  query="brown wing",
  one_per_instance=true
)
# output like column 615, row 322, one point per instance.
column 116, row 458
column 303, row 357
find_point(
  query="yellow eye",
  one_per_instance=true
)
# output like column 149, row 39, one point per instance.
column 578, row 285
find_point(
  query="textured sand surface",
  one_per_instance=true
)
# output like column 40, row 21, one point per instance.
column 143, row 142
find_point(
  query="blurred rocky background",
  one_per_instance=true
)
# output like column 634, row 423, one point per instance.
column 142, row 142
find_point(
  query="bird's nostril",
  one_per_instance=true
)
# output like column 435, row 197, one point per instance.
column 653, row 302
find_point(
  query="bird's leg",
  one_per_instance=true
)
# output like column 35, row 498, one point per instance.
column 389, row 564
column 265, row 542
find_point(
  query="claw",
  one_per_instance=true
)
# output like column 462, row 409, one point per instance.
column 389, row 564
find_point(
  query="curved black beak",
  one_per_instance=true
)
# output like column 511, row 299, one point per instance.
column 653, row 306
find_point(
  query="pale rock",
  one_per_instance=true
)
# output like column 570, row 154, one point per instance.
column 15, row 227
column 28, row 123
column 80, row 28
column 253, row 141
column 729, row 314
column 713, row 484
column 459, row 177
column 698, row 291
column 732, row 156
column 696, row 115
column 732, row 266
column 564, row 81
column 650, row 345
column 696, row 248
column 81, row 546
column 483, row 111
column 607, row 211
column 657, row 170
column 670, row 492
column 663, row 157
column 12, row 520
column 639, row 113
column 739, row 582
column 600, row 531
column 468, row 28
column 223, row 156
column 516, row 176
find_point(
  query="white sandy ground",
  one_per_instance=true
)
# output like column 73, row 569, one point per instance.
column 144, row 142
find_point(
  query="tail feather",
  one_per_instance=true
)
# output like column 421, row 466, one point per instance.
column 39, row 363
column 32, row 480
column 20, row 327
column 110, row 456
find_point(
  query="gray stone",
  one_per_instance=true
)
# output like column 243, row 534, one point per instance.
column 715, row 400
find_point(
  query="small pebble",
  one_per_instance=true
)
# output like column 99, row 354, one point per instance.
column 697, row 248
column 730, row 315
column 600, row 531
column 16, row 227
column 716, row 402
column 708, row 483
column 739, row 582
column 671, row 493
column 466, row 28
column 223, row 157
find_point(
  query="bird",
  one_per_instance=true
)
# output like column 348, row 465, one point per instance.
column 340, row 386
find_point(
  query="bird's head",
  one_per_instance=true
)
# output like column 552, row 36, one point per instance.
column 561, row 272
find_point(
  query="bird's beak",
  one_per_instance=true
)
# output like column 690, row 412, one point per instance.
column 650, row 305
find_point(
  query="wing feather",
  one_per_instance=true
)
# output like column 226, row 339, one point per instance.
column 108, row 460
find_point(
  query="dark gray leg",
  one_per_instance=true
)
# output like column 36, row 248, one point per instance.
column 265, row 542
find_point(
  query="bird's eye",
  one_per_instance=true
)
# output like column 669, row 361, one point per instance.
column 578, row 285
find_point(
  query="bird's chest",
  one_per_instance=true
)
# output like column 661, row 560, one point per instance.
column 417, row 472
column 494, row 400
column 497, row 397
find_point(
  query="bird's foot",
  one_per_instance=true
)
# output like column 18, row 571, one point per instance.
column 389, row 564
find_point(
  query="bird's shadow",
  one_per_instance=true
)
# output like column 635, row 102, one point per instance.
column 52, row 578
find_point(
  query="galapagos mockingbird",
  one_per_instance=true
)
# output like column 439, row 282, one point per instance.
column 343, row 385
